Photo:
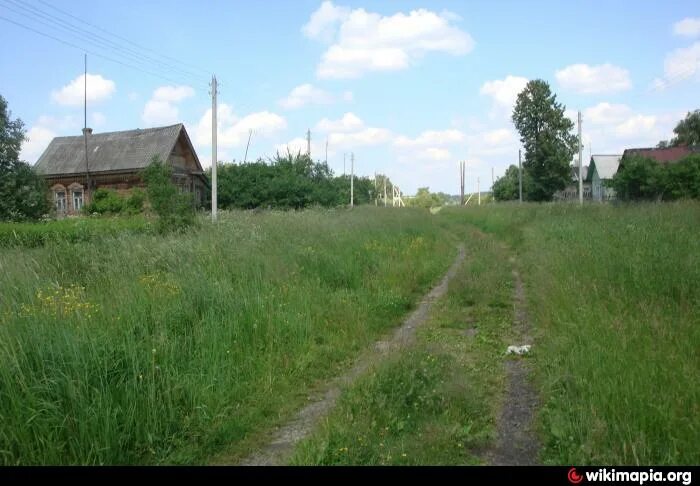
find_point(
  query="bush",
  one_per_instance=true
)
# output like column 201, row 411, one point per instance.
column 175, row 210
column 105, row 201
column 69, row 230
column 683, row 179
column 638, row 178
column 134, row 203
column 641, row 178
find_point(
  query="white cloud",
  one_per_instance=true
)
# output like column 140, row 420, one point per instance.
column 173, row 94
column 364, row 41
column 365, row 137
column 98, row 119
column 233, row 131
column 307, row 94
column 43, row 131
column 606, row 114
column 299, row 146
column 38, row 138
column 324, row 21
column 161, row 109
column 682, row 63
column 430, row 138
column 503, row 92
column 636, row 125
column 160, row 113
column 434, row 153
column 688, row 27
column 585, row 79
column 72, row 94
column 348, row 123
column 610, row 128
column 429, row 146
column 485, row 143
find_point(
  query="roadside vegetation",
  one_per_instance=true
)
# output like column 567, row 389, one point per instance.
column 614, row 303
column 436, row 402
column 170, row 348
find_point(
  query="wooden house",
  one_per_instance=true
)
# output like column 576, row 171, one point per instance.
column 115, row 160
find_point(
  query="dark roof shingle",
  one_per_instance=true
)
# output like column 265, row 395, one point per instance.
column 110, row 151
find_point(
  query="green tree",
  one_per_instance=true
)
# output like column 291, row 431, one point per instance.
column 638, row 178
column 682, row 179
column 545, row 133
column 425, row 199
column 688, row 130
column 175, row 210
column 507, row 188
column 22, row 191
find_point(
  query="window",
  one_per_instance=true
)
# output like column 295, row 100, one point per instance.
column 60, row 200
column 77, row 200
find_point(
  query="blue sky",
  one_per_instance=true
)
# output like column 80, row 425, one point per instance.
column 410, row 87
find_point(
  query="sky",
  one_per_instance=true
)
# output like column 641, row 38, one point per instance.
column 409, row 87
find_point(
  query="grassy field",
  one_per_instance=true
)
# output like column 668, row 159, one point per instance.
column 170, row 349
column 132, row 347
column 437, row 402
column 69, row 230
column 614, row 299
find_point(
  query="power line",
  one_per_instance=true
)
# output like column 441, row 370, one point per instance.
column 123, row 38
column 62, row 41
column 55, row 23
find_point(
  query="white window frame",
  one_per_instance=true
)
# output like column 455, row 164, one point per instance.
column 78, row 207
column 62, row 200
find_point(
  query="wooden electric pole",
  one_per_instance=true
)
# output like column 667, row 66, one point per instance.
column 520, row 178
column 214, row 127
column 88, row 194
column 462, row 168
column 580, row 162
column 352, row 179
column 308, row 142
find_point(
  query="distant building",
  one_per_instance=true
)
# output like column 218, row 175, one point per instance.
column 570, row 192
column 115, row 161
column 663, row 156
column 602, row 169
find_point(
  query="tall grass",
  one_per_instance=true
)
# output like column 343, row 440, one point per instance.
column 436, row 402
column 614, row 297
column 169, row 349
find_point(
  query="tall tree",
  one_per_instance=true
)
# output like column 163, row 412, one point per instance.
column 22, row 192
column 688, row 130
column 507, row 188
column 546, row 135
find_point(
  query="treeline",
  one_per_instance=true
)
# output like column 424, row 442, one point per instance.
column 289, row 182
column 642, row 178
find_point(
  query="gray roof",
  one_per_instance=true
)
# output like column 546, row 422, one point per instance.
column 574, row 172
column 110, row 151
column 605, row 165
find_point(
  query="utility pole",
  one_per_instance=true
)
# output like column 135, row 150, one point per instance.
column 376, row 193
column 308, row 142
column 520, row 178
column 343, row 164
column 214, row 128
column 493, row 199
column 580, row 162
column 384, row 190
column 250, row 134
column 478, row 190
column 85, row 134
column 352, row 179
column 326, row 150
column 462, row 165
